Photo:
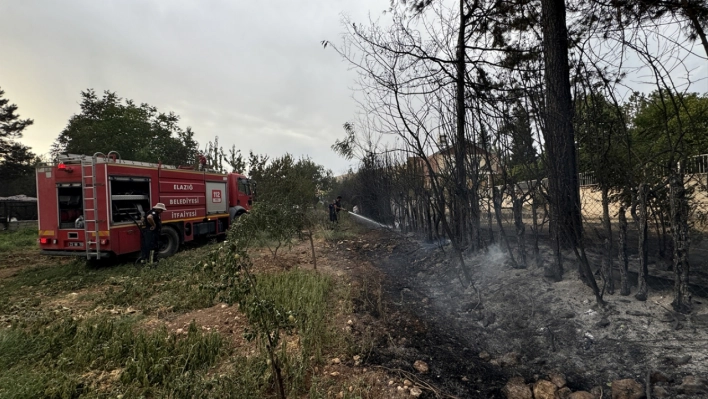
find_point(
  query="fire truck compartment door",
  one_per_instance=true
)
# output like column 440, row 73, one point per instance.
column 128, row 240
column 216, row 197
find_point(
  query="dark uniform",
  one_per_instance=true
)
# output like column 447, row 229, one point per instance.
column 151, row 238
column 332, row 213
column 334, row 209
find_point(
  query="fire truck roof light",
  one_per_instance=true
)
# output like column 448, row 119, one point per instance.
column 62, row 166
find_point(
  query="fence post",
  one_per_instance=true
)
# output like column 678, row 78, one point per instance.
column 6, row 216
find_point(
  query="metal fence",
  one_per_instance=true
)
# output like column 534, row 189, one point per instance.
column 16, row 209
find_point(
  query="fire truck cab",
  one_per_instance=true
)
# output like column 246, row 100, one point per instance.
column 93, row 206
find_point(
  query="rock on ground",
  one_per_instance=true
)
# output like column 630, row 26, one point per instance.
column 544, row 389
column 627, row 389
column 421, row 366
column 517, row 389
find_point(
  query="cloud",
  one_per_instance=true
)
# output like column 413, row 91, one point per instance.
column 253, row 73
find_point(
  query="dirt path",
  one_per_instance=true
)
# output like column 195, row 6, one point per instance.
column 516, row 323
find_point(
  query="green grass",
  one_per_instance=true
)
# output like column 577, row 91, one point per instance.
column 56, row 352
column 307, row 294
column 16, row 240
column 54, row 361
column 345, row 229
column 175, row 283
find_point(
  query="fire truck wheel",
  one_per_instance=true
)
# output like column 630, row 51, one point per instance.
column 169, row 242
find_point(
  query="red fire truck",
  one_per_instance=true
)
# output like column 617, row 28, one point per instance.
column 92, row 205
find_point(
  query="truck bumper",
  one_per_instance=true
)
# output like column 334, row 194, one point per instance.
column 79, row 254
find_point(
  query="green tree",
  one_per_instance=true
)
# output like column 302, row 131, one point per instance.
column 289, row 181
column 17, row 161
column 523, row 156
column 136, row 132
column 287, row 194
column 667, row 127
column 218, row 159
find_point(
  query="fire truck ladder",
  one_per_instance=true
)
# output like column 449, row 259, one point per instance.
column 90, row 201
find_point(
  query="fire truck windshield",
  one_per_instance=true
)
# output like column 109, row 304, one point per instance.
column 244, row 186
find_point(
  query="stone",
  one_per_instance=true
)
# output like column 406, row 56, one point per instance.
column 515, row 388
column 669, row 317
column 334, row 374
column 421, row 366
column 509, row 360
column 566, row 315
column 692, row 385
column 336, row 360
column 484, row 355
column 678, row 360
column 581, row 395
column 660, row 393
column 416, row 392
column 604, row 322
column 627, row 389
column 558, row 379
column 544, row 389
column 638, row 313
column 564, row 393
column 658, row 377
column 407, row 383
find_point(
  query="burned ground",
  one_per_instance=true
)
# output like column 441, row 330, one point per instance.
column 513, row 322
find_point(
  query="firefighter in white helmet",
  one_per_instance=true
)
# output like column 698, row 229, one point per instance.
column 151, row 233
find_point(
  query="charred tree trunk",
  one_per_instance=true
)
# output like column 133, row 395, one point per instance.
column 460, row 194
column 429, row 219
column 623, row 257
column 520, row 229
column 436, row 220
column 534, row 229
column 643, row 244
column 564, row 191
column 607, row 258
column 664, row 240
column 658, row 220
column 497, row 199
column 489, row 221
column 554, row 269
column 475, row 220
column 681, row 239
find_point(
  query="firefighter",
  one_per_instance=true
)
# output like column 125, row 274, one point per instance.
column 334, row 209
column 338, row 205
column 151, row 233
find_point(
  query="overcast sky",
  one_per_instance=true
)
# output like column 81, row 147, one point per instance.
column 251, row 72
